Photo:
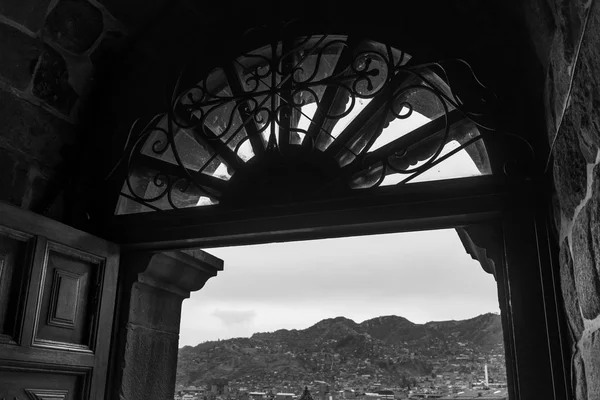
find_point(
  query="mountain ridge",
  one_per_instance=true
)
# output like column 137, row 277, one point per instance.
column 391, row 347
column 333, row 318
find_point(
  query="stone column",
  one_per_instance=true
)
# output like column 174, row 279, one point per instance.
column 146, row 335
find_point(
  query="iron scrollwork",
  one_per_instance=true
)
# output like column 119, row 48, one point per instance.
column 294, row 93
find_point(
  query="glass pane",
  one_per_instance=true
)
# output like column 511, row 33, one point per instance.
column 413, row 106
column 315, row 61
column 459, row 165
column 282, row 89
column 126, row 205
column 421, row 100
column 192, row 154
column 219, row 169
column 398, row 57
column 256, row 74
column 371, row 57
column 266, row 133
column 159, row 191
column 399, row 127
column 343, row 123
column 405, row 116
column 306, row 117
column 245, row 150
column 195, row 153
column 317, row 58
column 216, row 110
column 369, row 178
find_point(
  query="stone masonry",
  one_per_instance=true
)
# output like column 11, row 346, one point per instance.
column 567, row 37
column 50, row 51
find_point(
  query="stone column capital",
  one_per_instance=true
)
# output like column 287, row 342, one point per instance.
column 483, row 243
column 179, row 272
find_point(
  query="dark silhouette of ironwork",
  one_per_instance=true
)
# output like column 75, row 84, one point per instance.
column 262, row 128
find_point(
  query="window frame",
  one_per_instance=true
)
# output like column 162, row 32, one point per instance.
column 524, row 254
column 527, row 270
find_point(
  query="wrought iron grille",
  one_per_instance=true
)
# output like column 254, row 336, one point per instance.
column 302, row 118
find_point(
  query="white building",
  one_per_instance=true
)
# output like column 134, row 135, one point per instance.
column 257, row 395
column 284, row 396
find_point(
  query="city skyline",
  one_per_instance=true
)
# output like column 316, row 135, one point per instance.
column 422, row 276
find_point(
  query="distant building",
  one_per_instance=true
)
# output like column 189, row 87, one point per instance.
column 189, row 393
column 257, row 395
column 323, row 390
column 479, row 395
column 218, row 387
column 284, row 396
column 386, row 394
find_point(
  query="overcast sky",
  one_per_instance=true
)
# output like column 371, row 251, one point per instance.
column 422, row 276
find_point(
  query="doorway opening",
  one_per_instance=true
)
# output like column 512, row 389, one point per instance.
column 402, row 315
column 235, row 161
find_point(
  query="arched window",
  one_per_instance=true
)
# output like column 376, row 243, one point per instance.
column 303, row 118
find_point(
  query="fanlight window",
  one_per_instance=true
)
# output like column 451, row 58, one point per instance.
column 303, row 119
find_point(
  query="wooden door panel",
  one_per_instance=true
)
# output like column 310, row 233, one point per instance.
column 57, row 296
column 67, row 306
column 31, row 383
column 15, row 253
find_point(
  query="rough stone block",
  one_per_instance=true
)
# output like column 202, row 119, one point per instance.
column 570, row 16
column 149, row 367
column 155, row 308
column 556, row 213
column 51, row 82
column 590, row 352
column 557, row 84
column 37, row 134
column 579, row 378
column 570, row 167
column 567, row 23
column 30, row 146
column 586, row 252
column 74, row 25
column 586, row 90
column 569, row 293
column 29, row 13
column 20, row 53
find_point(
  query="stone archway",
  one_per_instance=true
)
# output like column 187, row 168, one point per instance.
column 554, row 83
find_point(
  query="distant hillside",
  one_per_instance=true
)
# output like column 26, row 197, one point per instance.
column 391, row 347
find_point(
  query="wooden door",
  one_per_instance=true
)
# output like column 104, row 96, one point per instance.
column 57, row 296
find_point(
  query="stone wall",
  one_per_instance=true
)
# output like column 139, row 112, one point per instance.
column 51, row 52
column 567, row 38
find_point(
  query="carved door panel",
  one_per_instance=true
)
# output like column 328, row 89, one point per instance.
column 57, row 294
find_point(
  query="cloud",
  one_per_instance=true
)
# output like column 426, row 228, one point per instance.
column 422, row 276
column 231, row 318
column 381, row 268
